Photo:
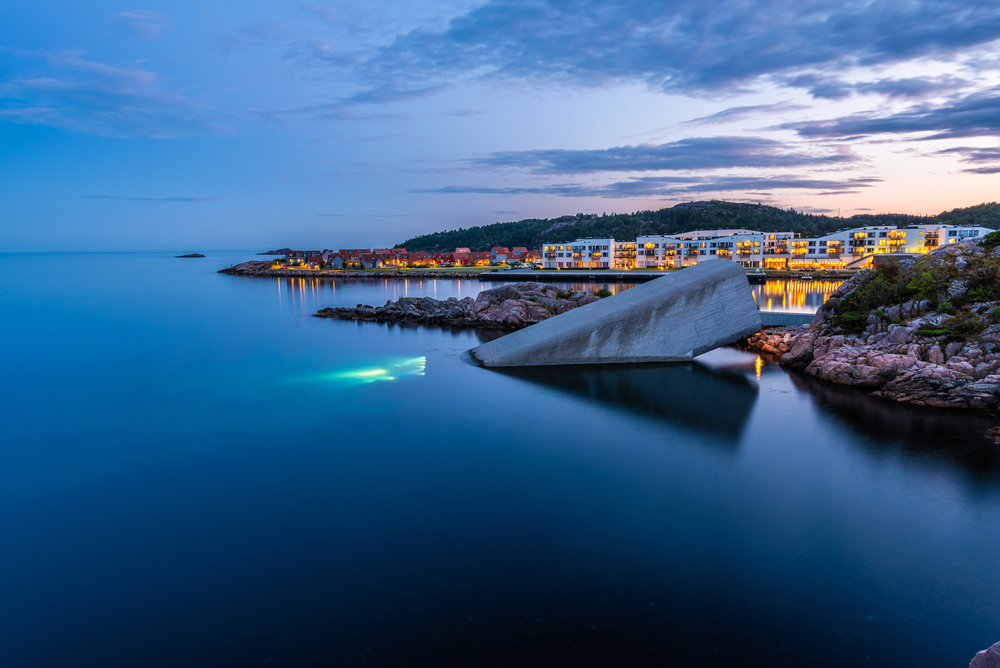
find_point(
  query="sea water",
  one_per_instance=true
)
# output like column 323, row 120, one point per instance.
column 194, row 471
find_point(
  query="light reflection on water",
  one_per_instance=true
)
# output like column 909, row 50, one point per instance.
column 311, row 294
column 793, row 295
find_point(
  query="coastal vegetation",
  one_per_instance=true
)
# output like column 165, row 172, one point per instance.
column 533, row 232
column 944, row 282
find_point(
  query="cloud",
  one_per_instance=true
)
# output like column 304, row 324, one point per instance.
column 390, row 94
column 973, row 115
column 666, row 186
column 505, row 213
column 140, row 22
column 95, row 98
column 736, row 114
column 913, row 87
column 983, row 170
column 905, row 88
column 189, row 200
column 686, row 154
column 976, row 155
column 324, row 13
column 684, row 46
column 256, row 34
column 463, row 113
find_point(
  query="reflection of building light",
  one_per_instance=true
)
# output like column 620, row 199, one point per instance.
column 794, row 293
column 758, row 365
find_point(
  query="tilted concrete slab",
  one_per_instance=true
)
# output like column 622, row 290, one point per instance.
column 671, row 319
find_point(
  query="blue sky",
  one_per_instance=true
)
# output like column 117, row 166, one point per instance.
column 192, row 125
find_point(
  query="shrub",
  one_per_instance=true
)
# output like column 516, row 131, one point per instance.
column 602, row 293
column 852, row 321
column 993, row 315
column 991, row 240
column 983, row 281
column 930, row 285
column 968, row 326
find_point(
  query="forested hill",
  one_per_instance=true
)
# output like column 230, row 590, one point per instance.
column 714, row 215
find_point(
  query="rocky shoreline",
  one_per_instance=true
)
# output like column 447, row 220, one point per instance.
column 942, row 351
column 507, row 307
column 263, row 268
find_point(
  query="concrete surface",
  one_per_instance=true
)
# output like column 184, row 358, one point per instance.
column 671, row 319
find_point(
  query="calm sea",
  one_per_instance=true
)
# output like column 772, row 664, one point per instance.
column 196, row 472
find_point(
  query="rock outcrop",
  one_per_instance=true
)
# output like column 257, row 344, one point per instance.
column 906, row 352
column 988, row 658
column 507, row 307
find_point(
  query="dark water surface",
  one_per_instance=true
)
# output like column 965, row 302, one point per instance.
column 196, row 472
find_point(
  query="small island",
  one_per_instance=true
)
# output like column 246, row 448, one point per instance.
column 191, row 255
column 507, row 307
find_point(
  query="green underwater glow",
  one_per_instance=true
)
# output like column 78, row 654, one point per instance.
column 369, row 374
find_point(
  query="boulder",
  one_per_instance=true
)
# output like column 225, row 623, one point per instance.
column 988, row 658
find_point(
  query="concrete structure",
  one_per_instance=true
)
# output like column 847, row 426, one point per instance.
column 671, row 319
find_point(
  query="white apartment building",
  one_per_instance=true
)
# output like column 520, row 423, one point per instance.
column 750, row 248
column 753, row 249
column 589, row 254
column 847, row 247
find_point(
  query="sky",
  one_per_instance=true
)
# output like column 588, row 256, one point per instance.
column 264, row 124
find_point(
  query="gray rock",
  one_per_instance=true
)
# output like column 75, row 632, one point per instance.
column 899, row 334
column 935, row 356
column 958, row 287
column 988, row 658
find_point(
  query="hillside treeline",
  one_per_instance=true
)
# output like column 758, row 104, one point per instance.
column 714, row 215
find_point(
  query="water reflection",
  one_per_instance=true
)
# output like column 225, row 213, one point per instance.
column 793, row 295
column 716, row 401
column 956, row 437
column 311, row 294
